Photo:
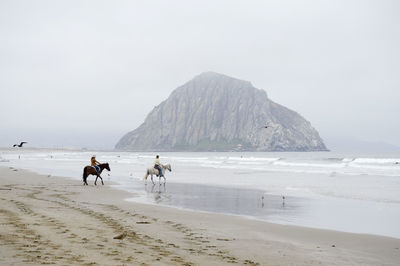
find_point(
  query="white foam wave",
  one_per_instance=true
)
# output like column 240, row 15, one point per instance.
column 264, row 159
column 347, row 160
column 376, row 160
column 299, row 164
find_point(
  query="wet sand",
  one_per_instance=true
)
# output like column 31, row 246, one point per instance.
column 251, row 203
column 54, row 220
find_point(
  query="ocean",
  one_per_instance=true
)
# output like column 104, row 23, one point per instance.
column 357, row 193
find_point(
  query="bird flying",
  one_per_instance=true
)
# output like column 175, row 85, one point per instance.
column 20, row 145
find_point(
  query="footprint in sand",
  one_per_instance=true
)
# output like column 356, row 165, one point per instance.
column 121, row 236
column 143, row 222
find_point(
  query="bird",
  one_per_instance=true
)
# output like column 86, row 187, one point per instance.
column 20, row 145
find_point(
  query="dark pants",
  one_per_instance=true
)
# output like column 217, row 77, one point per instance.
column 159, row 170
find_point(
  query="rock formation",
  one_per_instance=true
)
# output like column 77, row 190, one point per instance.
column 214, row 112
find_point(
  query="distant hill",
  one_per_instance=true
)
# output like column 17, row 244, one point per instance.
column 214, row 112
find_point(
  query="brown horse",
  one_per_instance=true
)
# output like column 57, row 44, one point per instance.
column 90, row 170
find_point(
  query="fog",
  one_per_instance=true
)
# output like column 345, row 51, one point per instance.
column 83, row 73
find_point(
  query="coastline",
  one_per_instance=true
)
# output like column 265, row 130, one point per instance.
column 57, row 220
column 330, row 192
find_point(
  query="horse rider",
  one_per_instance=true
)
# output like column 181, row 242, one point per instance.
column 95, row 163
column 157, row 165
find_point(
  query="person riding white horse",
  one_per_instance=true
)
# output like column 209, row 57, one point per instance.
column 157, row 165
column 154, row 171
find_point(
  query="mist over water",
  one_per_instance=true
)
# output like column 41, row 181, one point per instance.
column 346, row 192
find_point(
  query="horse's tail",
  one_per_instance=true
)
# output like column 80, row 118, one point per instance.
column 146, row 175
column 84, row 174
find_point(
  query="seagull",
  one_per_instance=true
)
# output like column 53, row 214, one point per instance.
column 20, row 145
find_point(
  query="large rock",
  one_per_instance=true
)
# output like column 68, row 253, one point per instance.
column 214, row 112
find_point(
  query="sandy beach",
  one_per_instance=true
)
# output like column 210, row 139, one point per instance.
column 55, row 220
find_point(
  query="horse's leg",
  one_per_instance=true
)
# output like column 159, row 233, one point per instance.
column 96, row 180
column 161, row 175
column 152, row 178
column 165, row 180
column 84, row 177
column 101, row 180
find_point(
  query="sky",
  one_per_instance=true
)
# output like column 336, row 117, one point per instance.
column 84, row 73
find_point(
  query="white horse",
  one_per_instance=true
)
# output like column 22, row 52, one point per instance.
column 153, row 171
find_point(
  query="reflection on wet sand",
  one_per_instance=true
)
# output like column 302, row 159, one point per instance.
column 239, row 201
column 158, row 191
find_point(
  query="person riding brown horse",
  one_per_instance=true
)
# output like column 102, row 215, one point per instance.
column 90, row 170
column 94, row 163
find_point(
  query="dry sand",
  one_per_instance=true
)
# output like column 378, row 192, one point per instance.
column 54, row 220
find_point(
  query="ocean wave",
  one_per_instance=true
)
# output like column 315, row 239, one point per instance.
column 253, row 159
column 347, row 160
column 376, row 160
column 64, row 159
column 382, row 167
column 333, row 159
column 306, row 164
column 298, row 189
column 186, row 158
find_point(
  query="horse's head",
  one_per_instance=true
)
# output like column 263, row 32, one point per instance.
column 168, row 167
column 107, row 166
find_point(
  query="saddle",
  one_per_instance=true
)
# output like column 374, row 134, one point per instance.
column 158, row 169
column 96, row 168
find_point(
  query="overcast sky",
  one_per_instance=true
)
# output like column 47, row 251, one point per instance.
column 83, row 73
